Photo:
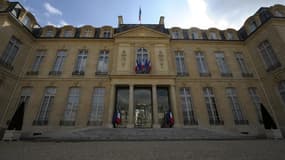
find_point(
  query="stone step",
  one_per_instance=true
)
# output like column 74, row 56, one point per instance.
column 138, row 134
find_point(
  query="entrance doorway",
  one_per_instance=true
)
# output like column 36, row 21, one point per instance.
column 143, row 107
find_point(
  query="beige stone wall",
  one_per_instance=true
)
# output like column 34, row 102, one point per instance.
column 273, row 32
column 122, row 55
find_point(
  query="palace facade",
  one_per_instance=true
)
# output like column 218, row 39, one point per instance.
column 78, row 77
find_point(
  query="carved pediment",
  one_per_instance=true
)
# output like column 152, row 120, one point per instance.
column 141, row 32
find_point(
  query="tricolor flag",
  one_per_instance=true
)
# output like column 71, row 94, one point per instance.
column 170, row 118
column 140, row 15
column 116, row 117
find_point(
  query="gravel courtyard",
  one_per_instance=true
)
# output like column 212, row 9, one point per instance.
column 148, row 150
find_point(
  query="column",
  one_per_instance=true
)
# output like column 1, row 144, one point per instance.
column 155, row 108
column 111, row 107
column 131, row 107
column 177, row 122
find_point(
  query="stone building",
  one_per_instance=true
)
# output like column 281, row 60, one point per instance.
column 77, row 77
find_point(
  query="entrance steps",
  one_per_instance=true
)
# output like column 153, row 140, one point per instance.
column 137, row 134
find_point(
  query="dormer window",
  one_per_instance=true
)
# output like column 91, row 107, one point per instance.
column 67, row 33
column 107, row 34
column 175, row 35
column 87, row 33
column 26, row 21
column 195, row 35
column 278, row 14
column 230, row 36
column 252, row 26
column 49, row 33
column 213, row 35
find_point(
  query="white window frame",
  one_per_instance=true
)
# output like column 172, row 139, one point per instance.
column 213, row 35
column 103, row 61
column 67, row 33
column 49, row 33
column 236, row 107
column 87, row 32
column 175, row 34
column 106, row 34
column 201, row 63
column 59, row 61
column 11, row 51
column 267, row 54
column 180, row 63
column 46, row 104
column 97, row 106
column 81, row 61
column 72, row 105
column 242, row 64
column 211, row 105
column 195, row 35
column 230, row 36
column 221, row 62
column 26, row 93
column 252, row 26
column 256, row 102
column 38, row 61
column 187, row 106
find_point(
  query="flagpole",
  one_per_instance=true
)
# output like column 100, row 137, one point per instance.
column 140, row 15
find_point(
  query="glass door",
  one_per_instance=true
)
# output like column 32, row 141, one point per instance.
column 143, row 108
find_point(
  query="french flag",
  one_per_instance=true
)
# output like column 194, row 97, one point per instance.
column 118, row 118
column 170, row 118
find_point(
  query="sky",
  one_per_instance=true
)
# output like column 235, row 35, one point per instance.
column 204, row 14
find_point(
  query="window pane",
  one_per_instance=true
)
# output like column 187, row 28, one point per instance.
column 187, row 106
column 97, row 108
column 72, row 104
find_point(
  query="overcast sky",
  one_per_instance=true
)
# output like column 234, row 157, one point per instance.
column 203, row 14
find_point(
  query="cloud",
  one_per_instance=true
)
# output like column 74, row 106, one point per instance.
column 60, row 24
column 51, row 9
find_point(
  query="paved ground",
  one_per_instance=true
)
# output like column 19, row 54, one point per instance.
column 149, row 150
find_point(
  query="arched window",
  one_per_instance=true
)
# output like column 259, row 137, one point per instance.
column 281, row 89
column 143, row 64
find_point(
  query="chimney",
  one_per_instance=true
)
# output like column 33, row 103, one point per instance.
column 161, row 20
column 120, row 20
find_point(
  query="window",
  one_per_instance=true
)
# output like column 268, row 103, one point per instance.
column 278, row 14
column 252, row 26
column 213, row 35
column 37, row 63
column 80, row 63
column 87, row 33
column 211, row 106
column 243, row 66
column 180, row 64
column 10, row 53
column 97, row 107
column 26, row 93
column 143, row 64
column 230, row 36
column 49, row 33
column 67, row 33
column 187, row 107
column 175, row 34
column 26, row 21
column 268, row 56
column 195, row 35
column 236, row 109
column 57, row 67
column 107, row 34
column 256, row 101
column 281, row 89
column 71, row 107
column 102, row 66
column 46, row 104
column 223, row 67
column 202, row 65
